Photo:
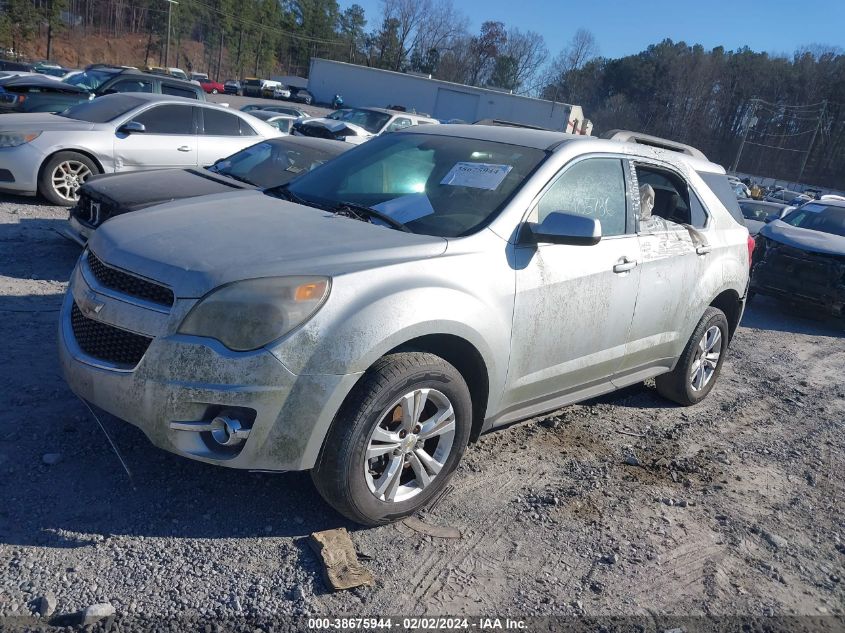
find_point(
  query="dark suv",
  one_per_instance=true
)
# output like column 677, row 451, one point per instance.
column 40, row 94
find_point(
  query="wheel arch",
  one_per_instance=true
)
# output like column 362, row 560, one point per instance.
column 729, row 302
column 84, row 152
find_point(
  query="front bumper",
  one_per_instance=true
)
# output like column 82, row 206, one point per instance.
column 23, row 163
column 190, row 379
column 808, row 278
column 77, row 232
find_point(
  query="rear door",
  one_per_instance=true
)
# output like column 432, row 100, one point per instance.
column 222, row 134
column 169, row 140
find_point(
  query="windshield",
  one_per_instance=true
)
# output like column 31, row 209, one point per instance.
column 756, row 212
column 370, row 120
column 271, row 163
column 90, row 79
column 818, row 217
column 102, row 109
column 436, row 185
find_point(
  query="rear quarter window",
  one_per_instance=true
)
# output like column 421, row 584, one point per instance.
column 178, row 91
column 720, row 186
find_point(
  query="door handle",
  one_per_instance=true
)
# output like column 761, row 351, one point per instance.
column 625, row 265
column 184, row 148
column 703, row 250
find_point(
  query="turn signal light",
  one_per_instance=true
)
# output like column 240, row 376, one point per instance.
column 310, row 292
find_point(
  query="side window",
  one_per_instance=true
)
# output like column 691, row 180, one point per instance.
column 219, row 123
column 168, row 119
column 671, row 195
column 132, row 85
column 595, row 188
column 698, row 216
column 283, row 125
column 399, row 123
column 246, row 129
column 178, row 91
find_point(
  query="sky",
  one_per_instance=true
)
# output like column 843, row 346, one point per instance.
column 624, row 27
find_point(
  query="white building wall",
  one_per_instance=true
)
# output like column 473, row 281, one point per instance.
column 363, row 86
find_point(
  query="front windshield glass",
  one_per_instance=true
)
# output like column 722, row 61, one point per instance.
column 90, row 79
column 818, row 217
column 102, row 109
column 370, row 120
column 271, row 163
column 435, row 185
column 755, row 212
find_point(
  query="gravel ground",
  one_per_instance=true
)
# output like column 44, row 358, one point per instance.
column 625, row 505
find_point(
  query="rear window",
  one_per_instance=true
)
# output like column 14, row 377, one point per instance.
column 719, row 185
column 178, row 91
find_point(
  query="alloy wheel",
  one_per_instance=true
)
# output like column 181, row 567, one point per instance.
column 706, row 358
column 67, row 177
column 410, row 445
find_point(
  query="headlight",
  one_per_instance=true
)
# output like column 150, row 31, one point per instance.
column 13, row 139
column 246, row 315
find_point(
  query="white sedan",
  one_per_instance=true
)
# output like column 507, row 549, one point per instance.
column 53, row 154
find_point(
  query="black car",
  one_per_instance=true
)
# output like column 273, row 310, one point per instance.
column 40, row 94
column 270, row 163
column 801, row 258
column 301, row 95
column 19, row 66
column 232, row 87
column 280, row 109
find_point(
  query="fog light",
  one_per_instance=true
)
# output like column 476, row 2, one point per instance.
column 227, row 431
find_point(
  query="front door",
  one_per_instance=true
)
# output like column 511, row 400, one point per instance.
column 574, row 304
column 169, row 140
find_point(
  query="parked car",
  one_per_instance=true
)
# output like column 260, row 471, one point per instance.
column 178, row 73
column 38, row 94
column 281, row 109
column 13, row 65
column 356, row 125
column 801, row 258
column 758, row 212
column 54, row 154
column 252, row 87
column 269, row 163
column 284, row 122
column 786, row 196
column 200, row 77
column 41, row 94
column 280, row 92
column 301, row 95
column 212, row 87
column 369, row 319
column 232, row 87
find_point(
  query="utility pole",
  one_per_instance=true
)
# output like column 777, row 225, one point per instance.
column 170, row 4
column 752, row 120
column 812, row 140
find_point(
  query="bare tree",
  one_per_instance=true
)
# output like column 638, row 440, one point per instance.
column 581, row 49
column 528, row 51
column 423, row 25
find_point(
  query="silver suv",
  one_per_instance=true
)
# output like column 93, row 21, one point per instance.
column 369, row 319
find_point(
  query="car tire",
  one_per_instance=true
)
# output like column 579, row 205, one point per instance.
column 62, row 175
column 700, row 363
column 386, row 416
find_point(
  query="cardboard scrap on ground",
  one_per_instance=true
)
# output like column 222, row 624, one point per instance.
column 437, row 531
column 340, row 563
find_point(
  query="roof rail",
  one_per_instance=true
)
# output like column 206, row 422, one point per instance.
column 627, row 136
column 502, row 123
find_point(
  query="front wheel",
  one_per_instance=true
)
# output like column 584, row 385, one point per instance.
column 396, row 440
column 62, row 176
column 700, row 363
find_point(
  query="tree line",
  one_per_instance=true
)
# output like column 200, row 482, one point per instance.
column 789, row 109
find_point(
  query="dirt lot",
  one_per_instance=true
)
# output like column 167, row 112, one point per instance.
column 625, row 505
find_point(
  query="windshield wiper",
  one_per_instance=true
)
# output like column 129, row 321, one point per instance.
column 282, row 191
column 358, row 210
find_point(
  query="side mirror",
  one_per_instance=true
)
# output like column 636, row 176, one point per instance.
column 562, row 228
column 132, row 127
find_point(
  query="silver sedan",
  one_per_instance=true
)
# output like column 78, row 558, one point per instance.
column 53, row 154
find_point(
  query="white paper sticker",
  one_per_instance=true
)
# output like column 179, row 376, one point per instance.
column 406, row 208
column 476, row 175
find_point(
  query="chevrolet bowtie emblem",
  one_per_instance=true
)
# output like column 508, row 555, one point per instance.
column 90, row 305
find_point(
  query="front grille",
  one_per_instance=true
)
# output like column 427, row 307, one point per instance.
column 129, row 284
column 106, row 342
column 92, row 212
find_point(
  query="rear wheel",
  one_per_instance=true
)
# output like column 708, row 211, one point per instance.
column 62, row 176
column 700, row 364
column 397, row 439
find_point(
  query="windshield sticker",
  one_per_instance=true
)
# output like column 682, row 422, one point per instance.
column 406, row 208
column 476, row 175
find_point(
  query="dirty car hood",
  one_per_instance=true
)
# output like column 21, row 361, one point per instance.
column 131, row 191
column 805, row 239
column 43, row 121
column 198, row 244
column 336, row 126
